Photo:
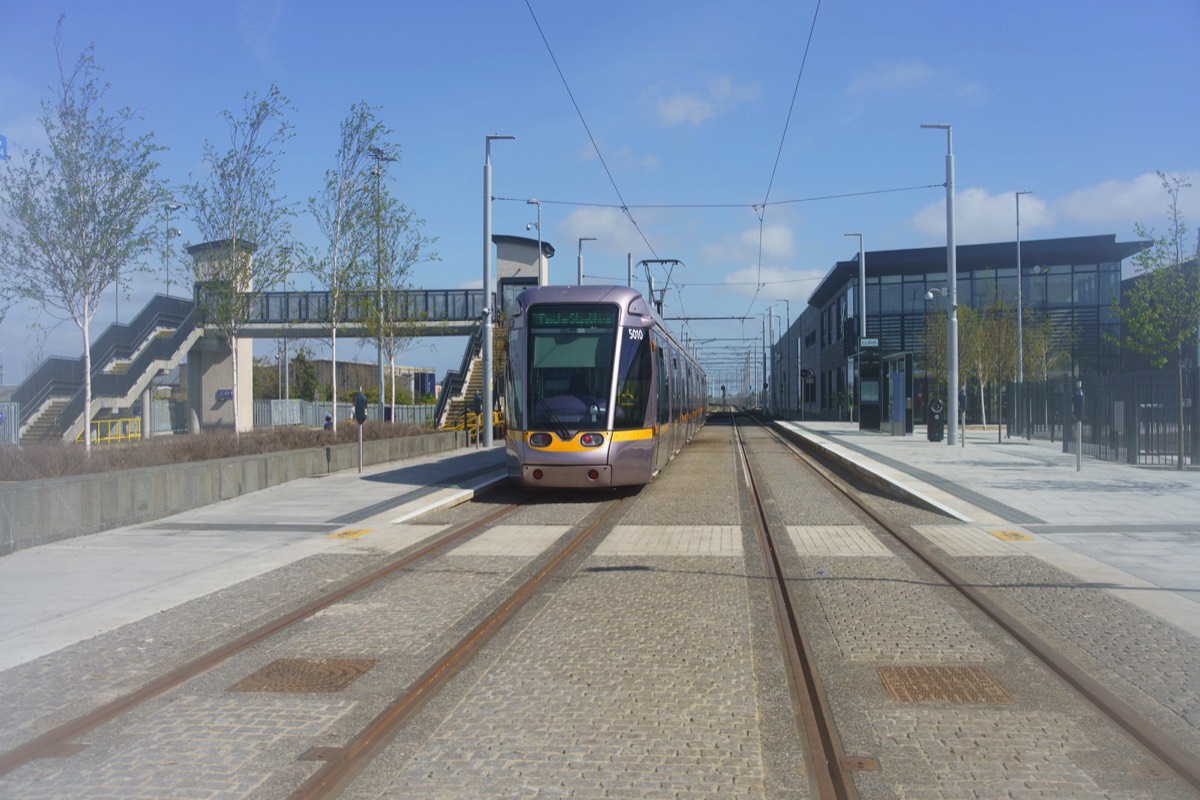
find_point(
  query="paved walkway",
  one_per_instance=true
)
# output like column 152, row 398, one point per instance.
column 1136, row 528
column 60, row 593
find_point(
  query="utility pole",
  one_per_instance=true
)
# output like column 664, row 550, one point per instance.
column 380, row 156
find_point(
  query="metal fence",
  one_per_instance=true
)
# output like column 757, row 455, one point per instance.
column 10, row 423
column 277, row 413
column 1132, row 418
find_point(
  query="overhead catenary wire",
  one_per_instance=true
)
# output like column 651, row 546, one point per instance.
column 623, row 206
column 760, row 209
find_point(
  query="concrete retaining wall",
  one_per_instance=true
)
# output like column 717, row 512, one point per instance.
column 37, row 512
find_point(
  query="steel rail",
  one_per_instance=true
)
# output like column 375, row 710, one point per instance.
column 53, row 741
column 830, row 778
column 1182, row 764
column 344, row 763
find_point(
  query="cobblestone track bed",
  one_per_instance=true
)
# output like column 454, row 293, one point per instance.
column 641, row 675
column 39, row 694
column 638, row 675
column 1149, row 663
column 861, row 612
column 402, row 617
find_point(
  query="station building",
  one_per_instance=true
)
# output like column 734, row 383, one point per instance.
column 1071, row 280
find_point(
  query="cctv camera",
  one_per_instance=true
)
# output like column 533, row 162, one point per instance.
column 929, row 295
column 529, row 226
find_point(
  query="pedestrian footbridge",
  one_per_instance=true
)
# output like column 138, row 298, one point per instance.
column 170, row 330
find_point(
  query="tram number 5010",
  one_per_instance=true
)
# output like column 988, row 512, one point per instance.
column 635, row 334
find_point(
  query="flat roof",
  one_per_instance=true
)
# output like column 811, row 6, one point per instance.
column 974, row 257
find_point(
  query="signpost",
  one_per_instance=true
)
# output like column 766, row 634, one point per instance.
column 360, row 416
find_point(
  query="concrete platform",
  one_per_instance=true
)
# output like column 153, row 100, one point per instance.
column 1135, row 528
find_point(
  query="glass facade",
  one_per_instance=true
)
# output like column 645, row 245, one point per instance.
column 1062, row 281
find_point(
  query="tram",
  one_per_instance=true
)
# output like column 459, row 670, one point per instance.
column 597, row 393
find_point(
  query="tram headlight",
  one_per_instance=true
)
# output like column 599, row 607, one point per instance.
column 539, row 439
column 591, row 439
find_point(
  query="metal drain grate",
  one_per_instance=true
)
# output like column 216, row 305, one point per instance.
column 304, row 675
column 944, row 684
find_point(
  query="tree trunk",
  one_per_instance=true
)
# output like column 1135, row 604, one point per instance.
column 87, row 383
column 333, row 377
column 1179, row 403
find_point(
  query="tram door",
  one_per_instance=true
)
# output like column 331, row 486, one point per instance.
column 662, row 402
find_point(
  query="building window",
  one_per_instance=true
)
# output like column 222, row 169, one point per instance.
column 1058, row 286
column 890, row 295
column 1085, row 284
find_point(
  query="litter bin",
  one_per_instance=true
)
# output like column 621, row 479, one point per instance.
column 936, row 424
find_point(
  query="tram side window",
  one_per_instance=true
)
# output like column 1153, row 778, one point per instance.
column 633, row 379
column 664, row 389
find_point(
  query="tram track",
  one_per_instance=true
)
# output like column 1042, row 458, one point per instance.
column 58, row 740
column 829, row 777
column 1174, row 760
column 344, row 763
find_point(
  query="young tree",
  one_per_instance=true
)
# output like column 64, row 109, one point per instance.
column 1162, row 309
column 78, row 213
column 1042, row 357
column 343, row 212
column 399, row 245
column 934, row 353
column 237, row 207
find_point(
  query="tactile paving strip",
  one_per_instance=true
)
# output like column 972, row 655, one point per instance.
column 942, row 684
column 968, row 540
column 672, row 540
column 835, row 540
column 304, row 675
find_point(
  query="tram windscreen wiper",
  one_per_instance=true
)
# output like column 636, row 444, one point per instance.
column 559, row 428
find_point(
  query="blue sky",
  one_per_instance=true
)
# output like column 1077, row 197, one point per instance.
column 687, row 103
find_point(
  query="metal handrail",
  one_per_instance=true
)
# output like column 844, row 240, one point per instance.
column 453, row 382
column 64, row 376
column 118, row 385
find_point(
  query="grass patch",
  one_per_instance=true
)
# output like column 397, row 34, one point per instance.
column 34, row 462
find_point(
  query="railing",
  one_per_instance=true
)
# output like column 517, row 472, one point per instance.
column 58, row 376
column 111, row 431
column 290, row 308
column 119, row 385
column 1131, row 417
column 10, row 423
column 305, row 413
column 452, row 384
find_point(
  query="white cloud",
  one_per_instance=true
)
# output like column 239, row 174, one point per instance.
column 1124, row 203
column 720, row 96
column 981, row 217
column 1113, row 206
column 778, row 244
column 777, row 283
column 892, row 78
column 613, row 232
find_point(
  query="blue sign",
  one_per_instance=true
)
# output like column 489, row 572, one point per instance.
column 224, row 394
column 3, row 148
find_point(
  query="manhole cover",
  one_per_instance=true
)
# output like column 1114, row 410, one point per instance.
column 304, row 675
column 945, row 684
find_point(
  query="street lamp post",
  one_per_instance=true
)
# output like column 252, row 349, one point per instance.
column 1020, row 321
column 787, row 356
column 952, row 285
column 543, row 278
column 487, row 280
column 582, row 239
